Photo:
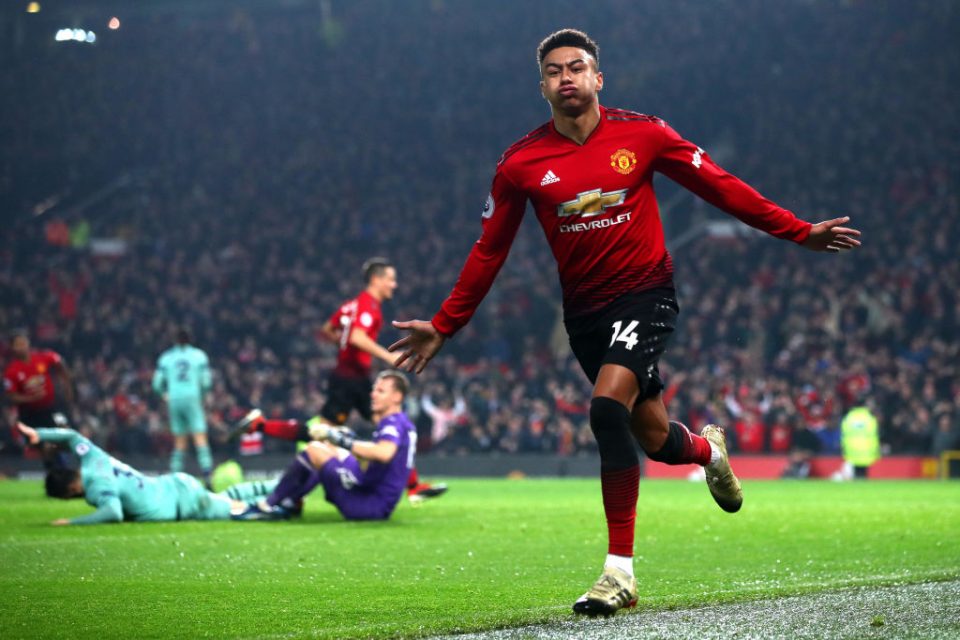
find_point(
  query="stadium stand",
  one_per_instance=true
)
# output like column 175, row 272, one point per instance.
column 232, row 172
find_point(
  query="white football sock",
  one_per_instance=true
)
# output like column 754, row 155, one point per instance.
column 623, row 563
column 715, row 455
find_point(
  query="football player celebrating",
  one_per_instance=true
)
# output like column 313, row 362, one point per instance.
column 589, row 174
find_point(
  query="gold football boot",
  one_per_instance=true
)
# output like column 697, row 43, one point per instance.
column 724, row 486
column 614, row 590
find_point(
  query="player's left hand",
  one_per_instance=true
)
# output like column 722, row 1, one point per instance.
column 318, row 429
column 29, row 433
column 59, row 522
column 419, row 347
column 830, row 236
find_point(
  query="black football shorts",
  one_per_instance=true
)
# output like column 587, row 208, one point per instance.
column 345, row 394
column 632, row 332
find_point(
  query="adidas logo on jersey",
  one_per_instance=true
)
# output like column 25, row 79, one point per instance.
column 549, row 178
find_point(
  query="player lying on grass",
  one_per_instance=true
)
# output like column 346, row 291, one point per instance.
column 363, row 480
column 120, row 492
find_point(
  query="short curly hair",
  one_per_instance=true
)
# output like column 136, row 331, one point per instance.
column 568, row 38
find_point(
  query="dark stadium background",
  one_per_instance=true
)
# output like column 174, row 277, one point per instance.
column 230, row 165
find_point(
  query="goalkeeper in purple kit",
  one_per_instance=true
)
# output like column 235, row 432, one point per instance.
column 364, row 480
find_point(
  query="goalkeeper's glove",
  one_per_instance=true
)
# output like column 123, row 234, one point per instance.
column 339, row 436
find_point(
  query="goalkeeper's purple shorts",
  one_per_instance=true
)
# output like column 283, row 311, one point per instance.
column 341, row 480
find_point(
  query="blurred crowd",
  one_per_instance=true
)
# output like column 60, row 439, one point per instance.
column 273, row 152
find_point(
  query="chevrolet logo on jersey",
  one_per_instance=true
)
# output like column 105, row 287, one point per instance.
column 590, row 203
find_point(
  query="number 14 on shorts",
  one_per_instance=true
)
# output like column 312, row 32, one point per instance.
column 626, row 335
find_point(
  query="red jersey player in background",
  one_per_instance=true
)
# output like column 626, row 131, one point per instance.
column 28, row 383
column 354, row 327
column 589, row 175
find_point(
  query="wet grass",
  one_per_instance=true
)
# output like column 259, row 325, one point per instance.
column 924, row 611
column 492, row 553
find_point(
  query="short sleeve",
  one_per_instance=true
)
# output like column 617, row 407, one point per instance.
column 389, row 433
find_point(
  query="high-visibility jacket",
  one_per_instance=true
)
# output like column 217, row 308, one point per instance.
column 860, row 437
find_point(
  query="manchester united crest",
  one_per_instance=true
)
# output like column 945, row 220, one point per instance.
column 623, row 161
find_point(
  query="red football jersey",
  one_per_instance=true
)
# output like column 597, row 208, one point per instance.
column 597, row 207
column 362, row 312
column 32, row 375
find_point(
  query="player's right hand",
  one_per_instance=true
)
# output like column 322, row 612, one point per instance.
column 418, row 348
column 29, row 433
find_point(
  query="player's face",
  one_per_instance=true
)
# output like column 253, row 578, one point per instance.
column 569, row 80
column 384, row 398
column 21, row 347
column 386, row 283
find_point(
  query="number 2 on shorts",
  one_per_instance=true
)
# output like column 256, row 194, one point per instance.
column 627, row 336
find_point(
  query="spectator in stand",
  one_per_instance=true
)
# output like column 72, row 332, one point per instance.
column 947, row 437
column 805, row 445
column 444, row 415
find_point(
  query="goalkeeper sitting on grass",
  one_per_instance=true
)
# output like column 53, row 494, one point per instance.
column 363, row 480
column 120, row 492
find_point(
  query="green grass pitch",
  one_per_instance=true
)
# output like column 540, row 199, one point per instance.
column 491, row 553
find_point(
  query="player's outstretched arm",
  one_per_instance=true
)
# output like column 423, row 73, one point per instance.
column 360, row 340
column 29, row 433
column 831, row 236
column 109, row 510
column 57, row 435
column 419, row 347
